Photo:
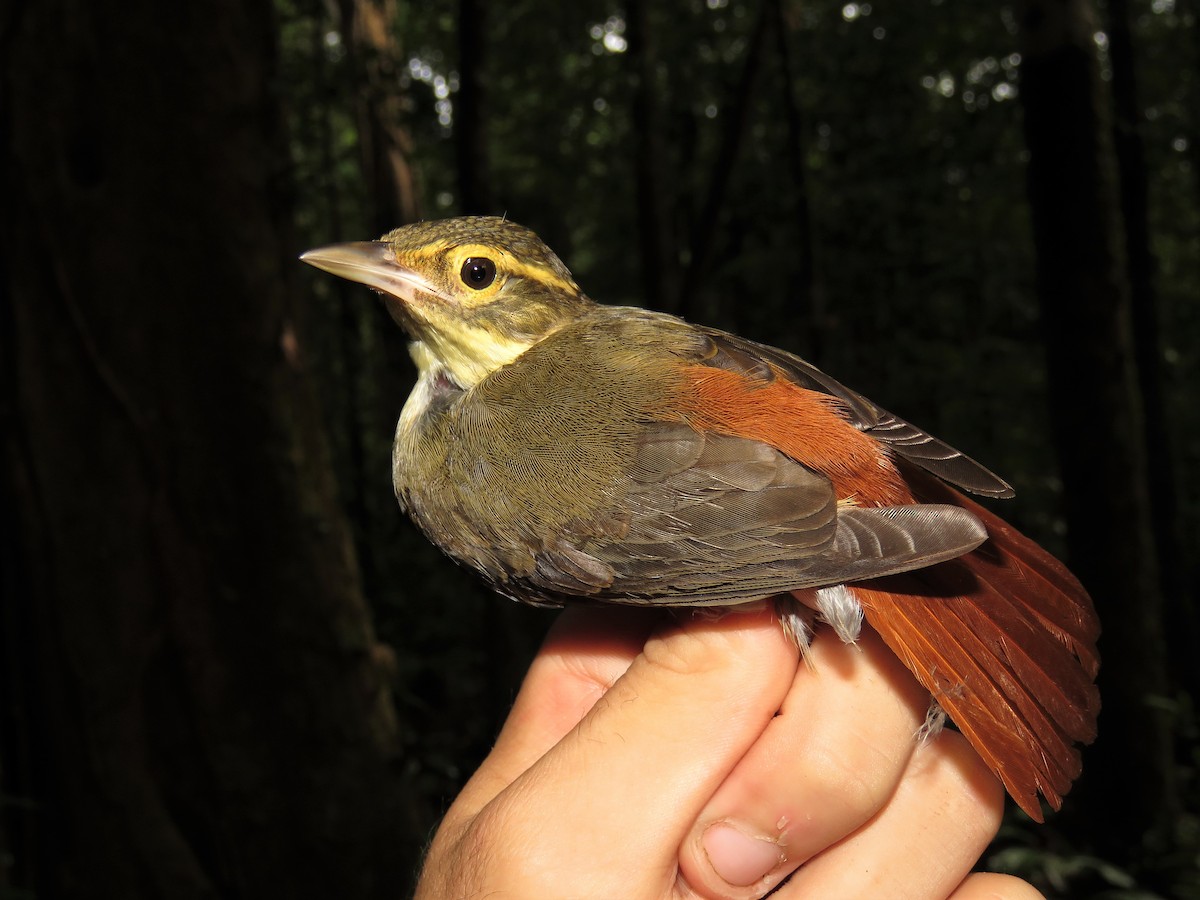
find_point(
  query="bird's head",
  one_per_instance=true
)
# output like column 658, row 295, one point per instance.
column 473, row 293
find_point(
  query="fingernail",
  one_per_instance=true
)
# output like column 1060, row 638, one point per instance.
column 738, row 858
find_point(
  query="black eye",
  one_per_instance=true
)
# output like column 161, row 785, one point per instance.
column 478, row 272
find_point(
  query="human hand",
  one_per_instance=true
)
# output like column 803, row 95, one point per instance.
column 662, row 758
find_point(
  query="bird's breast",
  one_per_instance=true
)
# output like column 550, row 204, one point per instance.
column 540, row 451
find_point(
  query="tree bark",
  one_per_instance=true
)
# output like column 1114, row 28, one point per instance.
column 202, row 709
column 1097, row 414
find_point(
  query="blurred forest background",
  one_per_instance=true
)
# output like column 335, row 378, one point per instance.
column 231, row 668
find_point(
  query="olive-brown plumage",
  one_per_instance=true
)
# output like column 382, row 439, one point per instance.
column 571, row 451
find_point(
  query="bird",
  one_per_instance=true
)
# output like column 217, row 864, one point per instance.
column 570, row 451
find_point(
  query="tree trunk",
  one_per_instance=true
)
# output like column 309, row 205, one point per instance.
column 1188, row 12
column 807, row 289
column 1133, row 179
column 201, row 708
column 384, row 143
column 736, row 118
column 372, row 356
column 1097, row 416
column 657, row 252
column 472, row 111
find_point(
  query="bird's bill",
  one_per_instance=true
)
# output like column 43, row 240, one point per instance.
column 371, row 263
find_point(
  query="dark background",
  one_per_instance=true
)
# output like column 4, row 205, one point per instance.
column 230, row 667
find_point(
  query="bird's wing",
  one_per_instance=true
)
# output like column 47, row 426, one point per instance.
column 770, row 476
column 1004, row 637
column 710, row 519
column 759, row 362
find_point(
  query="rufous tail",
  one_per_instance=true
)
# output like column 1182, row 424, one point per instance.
column 1005, row 640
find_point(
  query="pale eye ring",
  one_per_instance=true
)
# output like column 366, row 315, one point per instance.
column 478, row 272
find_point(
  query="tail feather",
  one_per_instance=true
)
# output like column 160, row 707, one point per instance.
column 1004, row 638
column 1039, row 583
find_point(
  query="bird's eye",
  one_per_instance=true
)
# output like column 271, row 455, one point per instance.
column 478, row 272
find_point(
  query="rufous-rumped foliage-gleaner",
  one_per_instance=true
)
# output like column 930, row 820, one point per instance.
column 569, row 451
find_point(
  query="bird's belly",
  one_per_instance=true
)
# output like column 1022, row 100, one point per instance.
column 495, row 483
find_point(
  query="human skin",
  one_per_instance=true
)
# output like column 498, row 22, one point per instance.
column 689, row 756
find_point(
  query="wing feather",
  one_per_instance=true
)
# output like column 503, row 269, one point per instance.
column 759, row 362
column 711, row 519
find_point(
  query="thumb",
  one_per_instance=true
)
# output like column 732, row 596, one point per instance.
column 633, row 774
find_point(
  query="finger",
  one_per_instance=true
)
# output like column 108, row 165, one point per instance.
column 992, row 886
column 672, row 727
column 824, row 766
column 925, row 841
column 585, row 652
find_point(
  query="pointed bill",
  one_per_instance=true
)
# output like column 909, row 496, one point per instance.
column 371, row 263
